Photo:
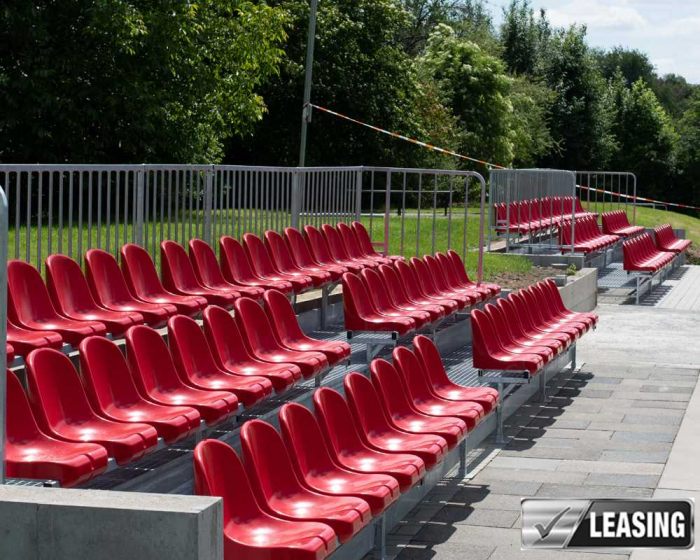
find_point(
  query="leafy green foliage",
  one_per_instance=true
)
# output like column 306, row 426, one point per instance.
column 634, row 65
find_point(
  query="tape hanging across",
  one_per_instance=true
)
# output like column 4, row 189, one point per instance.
column 640, row 198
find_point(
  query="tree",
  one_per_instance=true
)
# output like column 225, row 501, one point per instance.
column 519, row 37
column 689, row 153
column 112, row 81
column 633, row 64
column 674, row 93
column 532, row 104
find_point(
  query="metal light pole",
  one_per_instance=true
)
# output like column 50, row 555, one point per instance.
column 306, row 111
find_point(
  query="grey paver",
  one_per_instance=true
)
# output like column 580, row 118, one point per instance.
column 583, row 453
column 660, row 404
column 666, row 389
column 513, row 486
column 591, row 491
column 461, row 515
column 524, row 463
column 616, row 467
column 628, row 480
column 486, row 499
column 636, row 456
column 446, row 551
column 653, row 419
column 493, row 475
column 642, row 437
column 508, row 553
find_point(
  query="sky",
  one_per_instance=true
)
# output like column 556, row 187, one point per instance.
column 667, row 30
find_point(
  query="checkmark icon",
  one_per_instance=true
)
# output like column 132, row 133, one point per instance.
column 545, row 530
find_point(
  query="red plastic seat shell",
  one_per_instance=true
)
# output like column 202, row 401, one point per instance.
column 23, row 341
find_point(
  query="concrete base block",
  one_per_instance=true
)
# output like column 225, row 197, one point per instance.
column 581, row 293
column 54, row 523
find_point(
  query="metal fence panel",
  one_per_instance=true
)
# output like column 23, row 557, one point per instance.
column 602, row 191
column 3, row 328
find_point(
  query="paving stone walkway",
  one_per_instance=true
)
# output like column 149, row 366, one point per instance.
column 608, row 431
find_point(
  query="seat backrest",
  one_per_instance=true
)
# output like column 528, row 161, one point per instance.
column 437, row 273
column 459, row 267
column 150, row 361
column 364, row 402
column 235, row 264
column 377, row 290
column 391, row 388
column 410, row 367
column 108, row 381
column 429, row 356
column 352, row 246
column 21, row 426
column 105, row 279
column 219, row 472
column 189, row 348
column 335, row 242
column 484, row 340
column 299, row 248
column 265, row 454
column 303, row 437
column 513, row 320
column 139, row 271
column 278, row 249
column 176, row 267
column 409, row 280
column 318, row 245
column 363, row 238
column 498, row 321
column 448, row 268
column 282, row 317
column 27, row 296
column 425, row 278
column 67, row 286
column 254, row 326
column 203, row 259
column 258, row 255
column 336, row 422
column 224, row 338
column 356, row 300
column 393, row 284
column 55, row 391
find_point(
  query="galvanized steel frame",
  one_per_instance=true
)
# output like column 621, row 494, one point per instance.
column 3, row 329
column 609, row 180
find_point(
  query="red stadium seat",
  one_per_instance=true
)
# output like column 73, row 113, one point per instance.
column 196, row 366
column 361, row 315
column 278, row 490
column 418, row 390
column 584, row 235
column 391, row 389
column 70, row 295
column 439, row 278
column 322, row 252
column 109, row 289
column 264, row 267
column 366, row 246
column 289, row 334
column 155, row 375
column 314, row 465
column 9, row 354
column 208, row 273
column 524, row 337
column 400, row 299
column 377, row 432
column 550, row 302
column 249, row 532
column 231, row 354
column 640, row 255
column 113, row 393
column 542, row 314
column 260, row 341
column 141, row 277
column 29, row 453
column 463, row 278
column 304, row 259
column 416, row 295
column 534, row 324
column 284, row 262
column 179, row 277
column 62, row 410
column 339, row 251
column 616, row 223
column 238, row 269
column 441, row 384
column 382, row 302
column 427, row 285
column 29, row 306
column 666, row 240
column 509, row 343
column 24, row 341
column 344, row 441
column 352, row 245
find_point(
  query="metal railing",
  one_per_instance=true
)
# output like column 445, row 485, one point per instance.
column 612, row 190
column 3, row 329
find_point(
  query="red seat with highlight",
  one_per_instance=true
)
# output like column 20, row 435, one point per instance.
column 208, row 273
column 24, row 341
column 439, row 278
column 71, row 297
column 416, row 283
column 377, row 431
column 250, row 532
column 666, row 240
column 289, row 334
column 416, row 295
column 29, row 306
column 260, row 341
column 155, row 375
column 110, row 291
column 340, row 252
column 382, row 302
column 344, row 441
column 317, row 470
column 305, row 259
column 463, row 277
column 231, row 353
column 617, row 223
column 279, row 491
column 141, row 277
column 62, row 410
column 352, row 245
column 197, row 368
column 264, row 267
column 284, row 262
column 29, row 453
column 238, row 269
column 366, row 246
column 113, row 393
column 640, row 255
column 322, row 252
column 429, row 287
column 399, row 297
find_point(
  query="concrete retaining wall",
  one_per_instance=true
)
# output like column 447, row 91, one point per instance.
column 59, row 524
column 581, row 291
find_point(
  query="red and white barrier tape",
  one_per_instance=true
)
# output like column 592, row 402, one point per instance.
column 640, row 198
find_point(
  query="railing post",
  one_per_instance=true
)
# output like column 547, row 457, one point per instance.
column 3, row 329
column 387, row 212
column 140, row 199
column 208, row 205
column 480, row 270
column 358, row 195
column 296, row 197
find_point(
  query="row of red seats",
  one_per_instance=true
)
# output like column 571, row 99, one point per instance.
column 408, row 297
column 585, row 235
column 526, row 330
column 640, row 255
column 666, row 240
column 617, row 223
column 204, row 374
column 326, row 474
column 537, row 214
